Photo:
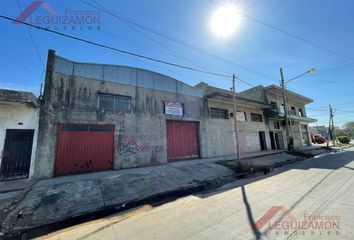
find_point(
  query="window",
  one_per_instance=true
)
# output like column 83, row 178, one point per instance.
column 256, row 117
column 219, row 113
column 86, row 128
column 241, row 116
column 75, row 128
column 276, row 125
column 274, row 105
column 301, row 113
column 282, row 109
column 114, row 102
column 293, row 111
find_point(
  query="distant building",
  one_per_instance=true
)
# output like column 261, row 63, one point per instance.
column 321, row 129
column 18, row 133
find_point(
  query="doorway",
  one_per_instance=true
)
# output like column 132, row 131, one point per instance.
column 84, row 148
column 279, row 140
column 262, row 140
column 182, row 140
column 272, row 140
column 17, row 153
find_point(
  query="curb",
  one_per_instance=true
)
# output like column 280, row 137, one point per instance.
column 155, row 200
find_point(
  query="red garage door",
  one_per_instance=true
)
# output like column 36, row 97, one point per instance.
column 182, row 140
column 84, row 148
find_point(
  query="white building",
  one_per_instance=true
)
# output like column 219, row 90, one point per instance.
column 19, row 113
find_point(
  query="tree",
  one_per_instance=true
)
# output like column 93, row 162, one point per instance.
column 349, row 129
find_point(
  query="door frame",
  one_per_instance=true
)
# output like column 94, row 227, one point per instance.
column 59, row 125
column 273, row 143
column 25, row 176
column 264, row 140
column 198, row 139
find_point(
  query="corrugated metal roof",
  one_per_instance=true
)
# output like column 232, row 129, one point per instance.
column 125, row 75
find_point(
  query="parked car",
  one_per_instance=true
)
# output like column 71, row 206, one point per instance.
column 318, row 138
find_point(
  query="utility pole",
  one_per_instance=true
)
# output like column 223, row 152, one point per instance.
column 330, row 126
column 237, row 161
column 285, row 111
column 333, row 130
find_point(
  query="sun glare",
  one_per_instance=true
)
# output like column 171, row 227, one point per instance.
column 225, row 21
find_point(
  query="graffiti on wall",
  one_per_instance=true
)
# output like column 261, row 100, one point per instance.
column 130, row 146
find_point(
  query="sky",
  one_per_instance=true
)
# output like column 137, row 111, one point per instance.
column 295, row 35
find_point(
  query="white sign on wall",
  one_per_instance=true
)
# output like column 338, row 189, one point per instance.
column 241, row 116
column 174, row 108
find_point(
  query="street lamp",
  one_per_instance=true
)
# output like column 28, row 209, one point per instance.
column 290, row 140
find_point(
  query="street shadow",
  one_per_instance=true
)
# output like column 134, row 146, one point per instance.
column 334, row 160
column 256, row 233
column 303, row 197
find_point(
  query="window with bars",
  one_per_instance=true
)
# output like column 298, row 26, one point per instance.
column 114, row 102
column 255, row 117
column 219, row 113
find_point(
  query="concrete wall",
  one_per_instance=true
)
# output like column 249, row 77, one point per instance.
column 11, row 116
column 220, row 134
column 74, row 99
column 281, row 131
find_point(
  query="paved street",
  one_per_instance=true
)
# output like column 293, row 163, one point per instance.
column 320, row 189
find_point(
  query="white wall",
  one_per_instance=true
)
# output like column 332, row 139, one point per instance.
column 11, row 114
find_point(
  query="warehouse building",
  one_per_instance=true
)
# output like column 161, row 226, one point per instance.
column 97, row 117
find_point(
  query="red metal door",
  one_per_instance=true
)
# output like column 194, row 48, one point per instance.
column 84, row 148
column 182, row 140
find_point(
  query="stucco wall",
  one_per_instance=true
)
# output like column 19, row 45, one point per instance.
column 11, row 114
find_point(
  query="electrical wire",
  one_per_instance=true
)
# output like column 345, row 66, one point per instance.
column 159, row 43
column 118, row 50
column 181, row 43
column 288, row 33
column 32, row 39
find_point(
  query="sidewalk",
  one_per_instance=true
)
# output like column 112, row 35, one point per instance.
column 270, row 161
column 53, row 200
column 38, row 203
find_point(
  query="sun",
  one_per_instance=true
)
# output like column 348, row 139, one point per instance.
column 225, row 21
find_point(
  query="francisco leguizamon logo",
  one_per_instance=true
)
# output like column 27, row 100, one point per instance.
column 281, row 222
column 72, row 19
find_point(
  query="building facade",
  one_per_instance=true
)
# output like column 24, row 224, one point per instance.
column 97, row 117
column 298, row 118
column 101, row 117
column 18, row 133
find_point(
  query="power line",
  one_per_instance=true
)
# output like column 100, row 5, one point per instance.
column 316, row 110
column 32, row 39
column 118, row 50
column 159, row 43
column 20, row 65
column 288, row 33
column 181, row 43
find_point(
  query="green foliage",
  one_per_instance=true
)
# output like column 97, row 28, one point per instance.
column 343, row 139
column 349, row 129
